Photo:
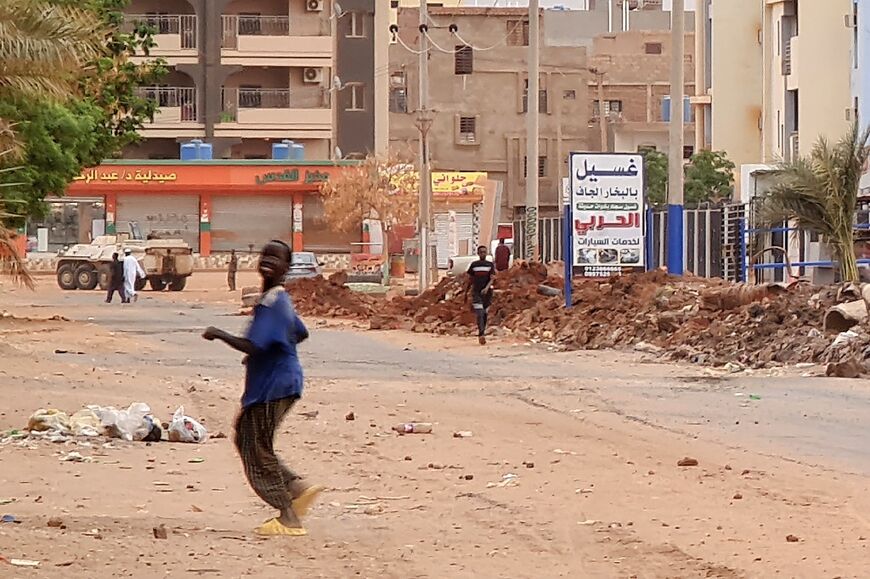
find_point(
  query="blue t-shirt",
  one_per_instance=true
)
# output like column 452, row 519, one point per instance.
column 274, row 371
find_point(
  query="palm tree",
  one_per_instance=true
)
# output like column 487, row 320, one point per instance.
column 44, row 50
column 820, row 193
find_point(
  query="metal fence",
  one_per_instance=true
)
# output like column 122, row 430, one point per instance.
column 712, row 247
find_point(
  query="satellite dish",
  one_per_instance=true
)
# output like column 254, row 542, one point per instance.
column 337, row 11
column 337, row 152
column 336, row 83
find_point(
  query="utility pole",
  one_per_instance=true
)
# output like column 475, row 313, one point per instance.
column 700, row 74
column 675, row 160
column 602, row 114
column 532, row 251
column 424, row 122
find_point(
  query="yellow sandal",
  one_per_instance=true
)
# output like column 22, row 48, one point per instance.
column 303, row 502
column 274, row 527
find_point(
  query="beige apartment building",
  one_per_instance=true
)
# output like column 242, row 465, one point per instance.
column 478, row 92
column 245, row 74
column 780, row 76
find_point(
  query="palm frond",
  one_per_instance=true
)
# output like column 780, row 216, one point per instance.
column 11, row 262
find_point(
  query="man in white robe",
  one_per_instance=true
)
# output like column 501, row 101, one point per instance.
column 132, row 271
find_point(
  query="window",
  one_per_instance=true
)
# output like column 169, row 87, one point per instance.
column 467, row 131
column 463, row 60
column 356, row 97
column 688, row 151
column 652, row 47
column 542, row 167
column 357, row 25
column 517, row 32
column 542, row 98
column 398, row 99
column 398, row 92
column 569, row 95
column 610, row 107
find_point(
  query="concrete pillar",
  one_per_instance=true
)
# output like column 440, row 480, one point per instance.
column 205, row 224
column 298, row 204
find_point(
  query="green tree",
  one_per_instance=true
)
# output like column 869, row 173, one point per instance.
column 820, row 193
column 709, row 178
column 655, row 168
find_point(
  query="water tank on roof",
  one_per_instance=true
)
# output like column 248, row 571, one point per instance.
column 206, row 152
column 282, row 151
column 189, row 151
column 298, row 152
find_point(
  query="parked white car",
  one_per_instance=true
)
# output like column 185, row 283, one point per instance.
column 459, row 264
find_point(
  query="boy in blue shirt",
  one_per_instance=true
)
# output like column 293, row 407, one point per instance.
column 273, row 384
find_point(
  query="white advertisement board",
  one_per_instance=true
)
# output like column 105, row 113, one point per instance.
column 608, row 212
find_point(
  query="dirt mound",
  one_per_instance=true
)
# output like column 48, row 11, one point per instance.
column 317, row 296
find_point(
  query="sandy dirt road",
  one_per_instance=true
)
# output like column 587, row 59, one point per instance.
column 593, row 439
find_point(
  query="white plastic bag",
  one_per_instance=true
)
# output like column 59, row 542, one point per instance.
column 131, row 424
column 186, row 429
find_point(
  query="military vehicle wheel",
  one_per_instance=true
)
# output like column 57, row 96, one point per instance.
column 104, row 274
column 86, row 277
column 140, row 283
column 66, row 277
column 177, row 284
column 157, row 284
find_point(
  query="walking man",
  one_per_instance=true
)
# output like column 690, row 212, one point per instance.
column 480, row 275
column 231, row 270
column 116, row 279
column 273, row 384
column 132, row 271
column 502, row 256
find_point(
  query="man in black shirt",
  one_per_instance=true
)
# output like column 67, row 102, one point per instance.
column 480, row 274
column 116, row 279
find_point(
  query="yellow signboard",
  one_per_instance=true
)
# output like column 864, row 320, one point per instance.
column 458, row 183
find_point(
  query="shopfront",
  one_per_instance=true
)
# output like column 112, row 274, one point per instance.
column 213, row 205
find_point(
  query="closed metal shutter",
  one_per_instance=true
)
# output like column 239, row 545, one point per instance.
column 247, row 223
column 168, row 216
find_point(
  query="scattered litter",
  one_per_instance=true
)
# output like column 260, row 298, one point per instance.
column 134, row 423
column 6, row 501
column 508, row 480
column 754, row 397
column 560, row 451
column 687, row 462
column 589, row 522
column 414, row 428
column 75, row 456
column 56, row 523
column 463, row 434
column 186, row 429
column 792, row 538
column 196, row 460
column 160, row 532
column 23, row 563
column 310, row 415
column 49, row 420
column 350, row 416
column 10, row 519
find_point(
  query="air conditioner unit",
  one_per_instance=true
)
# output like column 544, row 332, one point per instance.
column 312, row 75
column 314, row 5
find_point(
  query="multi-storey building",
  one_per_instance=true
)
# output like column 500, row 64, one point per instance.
column 247, row 73
column 780, row 76
column 478, row 88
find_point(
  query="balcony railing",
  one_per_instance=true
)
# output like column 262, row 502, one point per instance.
column 235, row 26
column 181, row 25
column 182, row 98
column 255, row 98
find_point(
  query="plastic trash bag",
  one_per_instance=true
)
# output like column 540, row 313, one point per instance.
column 186, row 429
column 49, row 420
column 134, row 423
column 86, row 423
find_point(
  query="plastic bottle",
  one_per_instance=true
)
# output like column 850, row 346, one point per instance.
column 414, row 428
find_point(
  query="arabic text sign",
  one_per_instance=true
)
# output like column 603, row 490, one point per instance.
column 457, row 184
column 608, row 212
column 128, row 175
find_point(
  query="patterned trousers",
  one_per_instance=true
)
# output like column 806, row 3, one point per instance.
column 255, row 435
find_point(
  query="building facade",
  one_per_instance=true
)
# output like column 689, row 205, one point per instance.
column 247, row 73
column 478, row 92
column 781, row 76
